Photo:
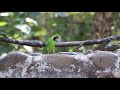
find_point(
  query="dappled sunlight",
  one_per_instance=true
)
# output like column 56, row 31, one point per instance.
column 3, row 23
column 59, row 44
column 24, row 28
column 28, row 48
column 5, row 14
column 31, row 21
column 71, row 26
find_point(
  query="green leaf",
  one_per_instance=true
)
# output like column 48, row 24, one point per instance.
column 3, row 23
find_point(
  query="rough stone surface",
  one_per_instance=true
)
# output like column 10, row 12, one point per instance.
column 98, row 64
column 116, row 74
column 104, row 59
column 117, row 52
column 59, row 60
column 11, row 59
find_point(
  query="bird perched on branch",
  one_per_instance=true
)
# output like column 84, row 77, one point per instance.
column 50, row 47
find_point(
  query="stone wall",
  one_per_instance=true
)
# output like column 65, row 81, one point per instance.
column 97, row 64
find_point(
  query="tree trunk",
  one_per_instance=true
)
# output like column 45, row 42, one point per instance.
column 102, row 26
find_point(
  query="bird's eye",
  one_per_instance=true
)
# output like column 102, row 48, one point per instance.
column 56, row 37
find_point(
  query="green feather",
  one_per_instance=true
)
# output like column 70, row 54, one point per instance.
column 50, row 47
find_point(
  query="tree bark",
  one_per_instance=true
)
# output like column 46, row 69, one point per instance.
column 102, row 26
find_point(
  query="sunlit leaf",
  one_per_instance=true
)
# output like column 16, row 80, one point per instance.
column 92, row 13
column 24, row 28
column 3, row 23
column 16, row 35
column 70, row 50
column 4, row 14
column 42, row 32
column 31, row 21
column 28, row 48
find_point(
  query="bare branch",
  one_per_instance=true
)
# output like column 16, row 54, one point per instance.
column 5, row 36
column 34, row 43
column 37, row 43
column 88, row 42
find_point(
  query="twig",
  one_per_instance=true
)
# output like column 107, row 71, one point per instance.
column 36, row 43
column 80, row 45
column 5, row 36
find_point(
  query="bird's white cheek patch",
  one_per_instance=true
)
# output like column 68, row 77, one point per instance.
column 58, row 40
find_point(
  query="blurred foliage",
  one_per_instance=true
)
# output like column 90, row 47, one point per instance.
column 71, row 26
column 116, row 27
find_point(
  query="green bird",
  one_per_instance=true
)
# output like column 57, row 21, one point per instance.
column 50, row 47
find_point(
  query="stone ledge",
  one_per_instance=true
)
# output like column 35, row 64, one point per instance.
column 98, row 64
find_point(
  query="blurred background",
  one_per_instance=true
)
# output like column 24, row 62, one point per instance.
column 71, row 26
